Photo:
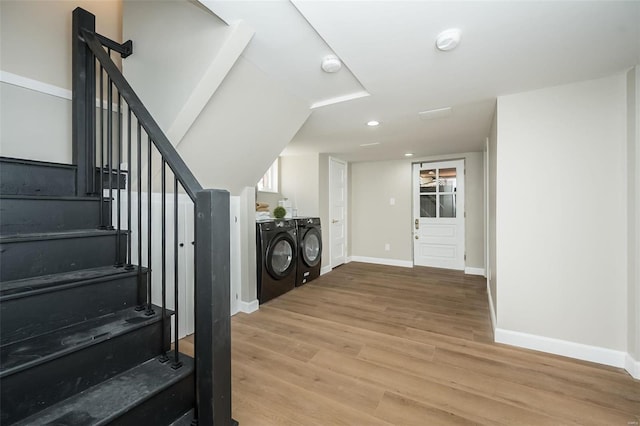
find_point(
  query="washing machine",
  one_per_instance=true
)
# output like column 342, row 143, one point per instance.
column 309, row 249
column 277, row 248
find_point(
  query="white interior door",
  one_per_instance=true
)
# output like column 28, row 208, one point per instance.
column 438, row 214
column 337, row 210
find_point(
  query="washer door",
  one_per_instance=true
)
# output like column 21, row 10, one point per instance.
column 280, row 256
column 311, row 247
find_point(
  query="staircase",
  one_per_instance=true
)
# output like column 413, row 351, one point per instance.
column 85, row 332
column 75, row 349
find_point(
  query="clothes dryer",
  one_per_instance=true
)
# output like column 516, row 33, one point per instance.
column 277, row 247
column 309, row 249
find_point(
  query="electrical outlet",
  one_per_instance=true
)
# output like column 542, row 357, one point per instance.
column 387, row 247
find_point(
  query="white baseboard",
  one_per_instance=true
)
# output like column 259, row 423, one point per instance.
column 347, row 259
column 38, row 86
column 382, row 261
column 325, row 270
column 492, row 309
column 561, row 347
column 474, row 271
column 248, row 307
column 632, row 366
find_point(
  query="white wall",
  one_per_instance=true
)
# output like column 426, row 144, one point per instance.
column 242, row 130
column 35, row 43
column 375, row 222
column 248, row 119
column 174, row 43
column 492, row 276
column 633, row 217
column 247, row 245
column 50, row 140
column 36, row 36
column 561, row 213
column 300, row 183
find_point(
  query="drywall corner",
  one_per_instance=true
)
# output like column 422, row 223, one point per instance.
column 248, row 280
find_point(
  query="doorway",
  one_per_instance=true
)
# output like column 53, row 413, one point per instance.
column 438, row 214
column 337, row 211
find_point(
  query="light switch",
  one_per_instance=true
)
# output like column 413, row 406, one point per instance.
column 392, row 201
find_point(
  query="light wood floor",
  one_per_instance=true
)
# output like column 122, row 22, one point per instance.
column 380, row 345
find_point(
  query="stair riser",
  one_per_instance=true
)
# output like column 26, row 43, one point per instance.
column 35, row 314
column 163, row 408
column 49, row 215
column 36, row 388
column 18, row 178
column 26, row 259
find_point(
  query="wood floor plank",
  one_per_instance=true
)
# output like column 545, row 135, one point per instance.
column 607, row 396
column 302, row 405
column 355, row 393
column 476, row 408
column 358, row 335
column 380, row 345
column 400, row 410
column 552, row 404
column 323, row 339
column 283, row 345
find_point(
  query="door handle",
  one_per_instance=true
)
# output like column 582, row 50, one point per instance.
column 334, row 221
column 417, row 224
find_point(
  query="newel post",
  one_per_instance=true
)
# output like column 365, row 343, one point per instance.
column 83, row 103
column 212, row 309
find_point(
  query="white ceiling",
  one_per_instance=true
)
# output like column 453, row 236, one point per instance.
column 389, row 51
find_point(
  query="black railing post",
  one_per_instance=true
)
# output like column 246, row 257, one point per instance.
column 212, row 316
column 84, row 103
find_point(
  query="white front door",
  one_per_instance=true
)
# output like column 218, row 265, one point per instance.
column 337, row 210
column 438, row 214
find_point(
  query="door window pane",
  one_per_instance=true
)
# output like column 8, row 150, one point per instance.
column 427, row 180
column 447, row 180
column 427, row 206
column 448, row 205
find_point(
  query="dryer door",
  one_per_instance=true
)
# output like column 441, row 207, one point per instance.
column 311, row 247
column 280, row 256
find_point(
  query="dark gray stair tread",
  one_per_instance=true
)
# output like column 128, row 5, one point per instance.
column 49, row 197
column 37, row 163
column 16, row 288
column 107, row 401
column 27, row 353
column 39, row 236
column 184, row 420
column 187, row 418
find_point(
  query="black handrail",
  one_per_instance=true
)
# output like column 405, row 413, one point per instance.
column 211, row 212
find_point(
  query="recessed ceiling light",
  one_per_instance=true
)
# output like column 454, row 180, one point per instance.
column 373, row 123
column 409, row 154
column 370, row 144
column 448, row 39
column 331, row 63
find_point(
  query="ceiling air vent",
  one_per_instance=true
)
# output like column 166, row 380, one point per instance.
column 435, row 113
